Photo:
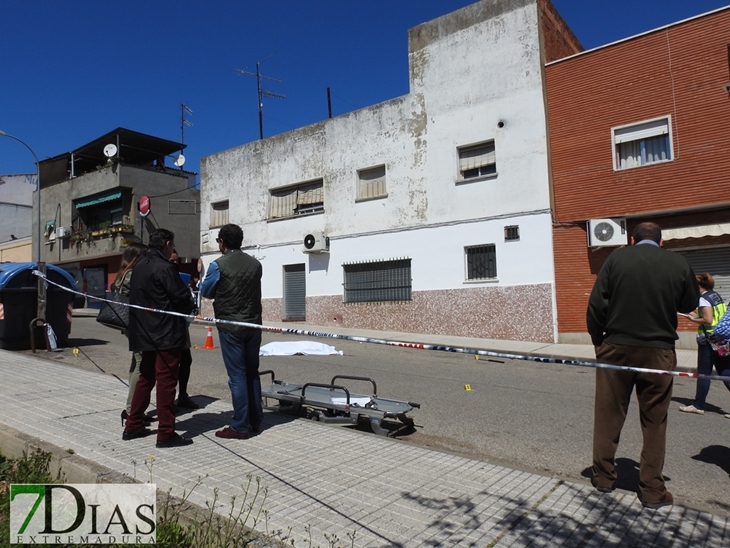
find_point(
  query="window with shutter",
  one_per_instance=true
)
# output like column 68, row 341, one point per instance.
column 219, row 214
column 641, row 144
column 302, row 199
column 477, row 161
column 371, row 183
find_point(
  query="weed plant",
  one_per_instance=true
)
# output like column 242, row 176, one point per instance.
column 178, row 525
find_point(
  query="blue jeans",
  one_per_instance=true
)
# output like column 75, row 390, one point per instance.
column 706, row 359
column 241, row 357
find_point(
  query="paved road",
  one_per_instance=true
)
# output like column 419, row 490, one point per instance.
column 526, row 415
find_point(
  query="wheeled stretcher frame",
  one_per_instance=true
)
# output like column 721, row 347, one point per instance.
column 335, row 404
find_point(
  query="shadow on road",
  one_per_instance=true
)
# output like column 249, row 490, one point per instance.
column 719, row 455
column 85, row 342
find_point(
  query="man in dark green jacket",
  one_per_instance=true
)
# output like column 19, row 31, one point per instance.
column 632, row 321
column 234, row 281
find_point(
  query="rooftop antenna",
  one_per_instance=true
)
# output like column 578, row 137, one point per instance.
column 183, row 122
column 263, row 92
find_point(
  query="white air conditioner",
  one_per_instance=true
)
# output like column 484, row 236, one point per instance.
column 607, row 232
column 315, row 242
column 61, row 232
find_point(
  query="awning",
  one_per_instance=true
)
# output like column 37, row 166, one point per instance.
column 86, row 202
column 695, row 231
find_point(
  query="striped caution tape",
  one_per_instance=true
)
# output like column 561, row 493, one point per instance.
column 420, row 346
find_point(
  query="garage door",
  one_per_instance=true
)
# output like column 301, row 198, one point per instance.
column 715, row 261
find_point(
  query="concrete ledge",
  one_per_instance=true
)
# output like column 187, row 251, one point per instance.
column 71, row 468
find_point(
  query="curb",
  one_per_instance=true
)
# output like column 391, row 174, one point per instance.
column 72, row 468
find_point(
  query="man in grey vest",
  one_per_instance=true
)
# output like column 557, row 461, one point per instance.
column 234, row 281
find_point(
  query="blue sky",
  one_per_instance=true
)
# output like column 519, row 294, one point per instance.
column 73, row 70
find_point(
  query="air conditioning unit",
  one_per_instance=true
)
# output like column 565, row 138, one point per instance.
column 315, row 242
column 607, row 232
column 61, row 232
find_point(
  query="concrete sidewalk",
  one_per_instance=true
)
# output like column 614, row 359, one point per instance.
column 323, row 480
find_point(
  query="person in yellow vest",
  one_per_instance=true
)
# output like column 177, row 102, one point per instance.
column 711, row 308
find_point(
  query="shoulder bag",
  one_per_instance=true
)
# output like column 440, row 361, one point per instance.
column 115, row 314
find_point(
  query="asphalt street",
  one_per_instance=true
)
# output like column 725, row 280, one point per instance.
column 530, row 416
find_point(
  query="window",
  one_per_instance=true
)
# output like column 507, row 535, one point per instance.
column 511, row 233
column 481, row 262
column 371, row 183
column 219, row 214
column 99, row 211
column 642, row 144
column 378, row 281
column 117, row 216
column 477, row 161
column 302, row 199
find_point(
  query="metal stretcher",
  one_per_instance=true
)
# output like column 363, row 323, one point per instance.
column 335, row 404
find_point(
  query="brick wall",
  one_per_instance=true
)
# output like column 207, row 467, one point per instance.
column 678, row 71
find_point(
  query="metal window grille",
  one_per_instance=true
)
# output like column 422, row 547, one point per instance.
column 481, row 262
column 378, row 281
column 511, row 233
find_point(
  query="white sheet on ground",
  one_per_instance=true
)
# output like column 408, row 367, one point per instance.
column 304, row 348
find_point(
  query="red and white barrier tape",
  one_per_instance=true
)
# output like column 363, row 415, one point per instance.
column 420, row 346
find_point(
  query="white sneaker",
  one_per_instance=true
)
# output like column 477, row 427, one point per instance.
column 692, row 409
column 727, row 415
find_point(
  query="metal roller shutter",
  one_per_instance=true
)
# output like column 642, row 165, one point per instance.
column 295, row 292
column 716, row 261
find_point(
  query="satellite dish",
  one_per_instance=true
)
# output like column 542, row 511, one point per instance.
column 110, row 150
column 180, row 160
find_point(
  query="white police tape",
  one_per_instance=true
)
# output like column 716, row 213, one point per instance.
column 420, row 346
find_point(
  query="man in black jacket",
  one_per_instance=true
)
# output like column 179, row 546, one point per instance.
column 234, row 281
column 156, row 283
column 632, row 321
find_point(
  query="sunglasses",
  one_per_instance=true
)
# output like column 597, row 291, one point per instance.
column 218, row 240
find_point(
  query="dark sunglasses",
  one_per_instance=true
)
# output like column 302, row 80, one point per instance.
column 218, row 240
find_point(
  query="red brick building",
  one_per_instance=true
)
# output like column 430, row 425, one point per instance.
column 640, row 130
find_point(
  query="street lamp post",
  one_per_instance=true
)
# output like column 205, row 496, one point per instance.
column 41, row 266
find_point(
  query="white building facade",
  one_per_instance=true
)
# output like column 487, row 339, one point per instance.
column 435, row 205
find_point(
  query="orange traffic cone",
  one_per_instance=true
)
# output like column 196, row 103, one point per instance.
column 209, row 341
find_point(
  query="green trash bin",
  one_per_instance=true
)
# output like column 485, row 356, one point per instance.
column 19, row 304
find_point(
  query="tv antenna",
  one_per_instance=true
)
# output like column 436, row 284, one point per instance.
column 263, row 92
column 183, row 122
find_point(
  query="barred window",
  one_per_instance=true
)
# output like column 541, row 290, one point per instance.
column 511, row 233
column 302, row 199
column 481, row 262
column 378, row 281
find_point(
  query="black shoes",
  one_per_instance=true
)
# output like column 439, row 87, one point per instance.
column 176, row 440
column 139, row 433
column 146, row 421
column 186, row 402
